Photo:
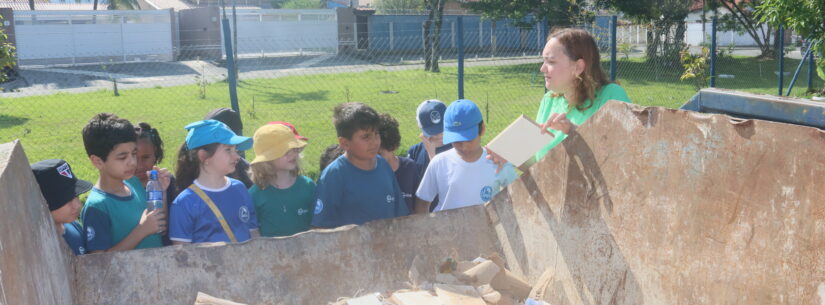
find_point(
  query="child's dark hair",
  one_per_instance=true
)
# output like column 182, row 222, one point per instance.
column 189, row 165
column 388, row 130
column 105, row 131
column 331, row 153
column 145, row 131
column 351, row 117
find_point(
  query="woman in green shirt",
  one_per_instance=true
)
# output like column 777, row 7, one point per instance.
column 577, row 86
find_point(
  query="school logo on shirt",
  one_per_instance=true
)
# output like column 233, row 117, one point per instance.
column 65, row 171
column 435, row 117
column 302, row 211
column 81, row 250
column 319, row 206
column 486, row 193
column 243, row 213
column 90, row 233
column 390, row 199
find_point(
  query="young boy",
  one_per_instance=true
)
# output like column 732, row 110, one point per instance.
column 358, row 186
column 462, row 176
column 115, row 216
column 406, row 171
column 430, row 117
column 60, row 187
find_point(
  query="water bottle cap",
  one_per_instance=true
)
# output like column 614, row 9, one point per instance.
column 153, row 174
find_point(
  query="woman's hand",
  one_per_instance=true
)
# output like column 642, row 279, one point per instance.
column 558, row 121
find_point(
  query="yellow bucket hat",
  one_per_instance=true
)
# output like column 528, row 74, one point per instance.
column 273, row 141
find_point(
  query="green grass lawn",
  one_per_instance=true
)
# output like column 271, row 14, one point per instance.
column 50, row 126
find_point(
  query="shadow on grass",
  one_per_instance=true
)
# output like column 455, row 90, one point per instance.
column 276, row 95
column 7, row 121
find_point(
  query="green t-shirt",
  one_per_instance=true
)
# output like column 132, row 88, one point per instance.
column 108, row 219
column 558, row 104
column 284, row 212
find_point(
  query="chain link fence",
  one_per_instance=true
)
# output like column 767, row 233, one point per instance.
column 167, row 68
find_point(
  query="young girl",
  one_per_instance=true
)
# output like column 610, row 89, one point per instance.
column 211, row 207
column 284, row 200
column 149, row 155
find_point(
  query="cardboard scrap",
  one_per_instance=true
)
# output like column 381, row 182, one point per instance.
column 483, row 273
column 205, row 299
column 414, row 298
column 458, row 295
column 370, row 299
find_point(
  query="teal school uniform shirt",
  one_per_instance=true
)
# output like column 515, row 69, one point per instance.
column 108, row 219
column 558, row 104
column 349, row 195
column 284, row 212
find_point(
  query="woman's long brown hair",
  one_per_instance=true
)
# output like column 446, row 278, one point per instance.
column 579, row 44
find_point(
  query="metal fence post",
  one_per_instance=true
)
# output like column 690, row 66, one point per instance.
column 613, row 25
column 460, row 44
column 392, row 36
column 230, row 65
column 798, row 68
column 780, row 36
column 713, row 52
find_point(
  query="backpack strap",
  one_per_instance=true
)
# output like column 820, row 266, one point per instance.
column 215, row 210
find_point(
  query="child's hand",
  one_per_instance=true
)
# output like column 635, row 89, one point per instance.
column 164, row 177
column 429, row 145
column 498, row 160
column 557, row 121
column 153, row 222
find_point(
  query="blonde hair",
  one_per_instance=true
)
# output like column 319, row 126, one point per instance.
column 262, row 173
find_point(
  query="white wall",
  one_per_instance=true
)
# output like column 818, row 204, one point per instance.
column 73, row 37
column 693, row 36
column 282, row 30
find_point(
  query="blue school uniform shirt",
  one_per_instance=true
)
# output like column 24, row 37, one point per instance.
column 191, row 220
column 409, row 176
column 74, row 236
column 349, row 195
column 109, row 218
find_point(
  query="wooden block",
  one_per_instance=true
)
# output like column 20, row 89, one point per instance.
column 414, row 298
column 509, row 282
column 492, row 298
column 458, row 295
column 205, row 299
column 483, row 273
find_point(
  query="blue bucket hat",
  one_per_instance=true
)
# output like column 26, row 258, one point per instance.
column 461, row 121
column 211, row 131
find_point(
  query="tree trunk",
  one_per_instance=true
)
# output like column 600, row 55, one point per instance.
column 439, row 14
column 31, row 4
column 427, row 42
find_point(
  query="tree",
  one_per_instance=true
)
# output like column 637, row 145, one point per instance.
column 432, row 41
column 805, row 17
column 667, row 19
column 741, row 18
column 7, row 55
column 557, row 12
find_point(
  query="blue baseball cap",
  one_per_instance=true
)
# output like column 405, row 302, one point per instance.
column 461, row 121
column 431, row 117
column 211, row 131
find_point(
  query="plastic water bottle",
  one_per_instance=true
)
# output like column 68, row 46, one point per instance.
column 154, row 192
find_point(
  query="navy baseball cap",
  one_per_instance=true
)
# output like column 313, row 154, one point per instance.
column 461, row 121
column 58, row 183
column 431, row 117
column 211, row 131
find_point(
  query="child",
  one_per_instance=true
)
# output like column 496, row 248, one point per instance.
column 233, row 119
column 283, row 199
column 358, row 186
column 330, row 153
column 60, row 188
column 115, row 216
column 430, row 118
column 149, row 154
column 462, row 176
column 406, row 171
column 211, row 207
